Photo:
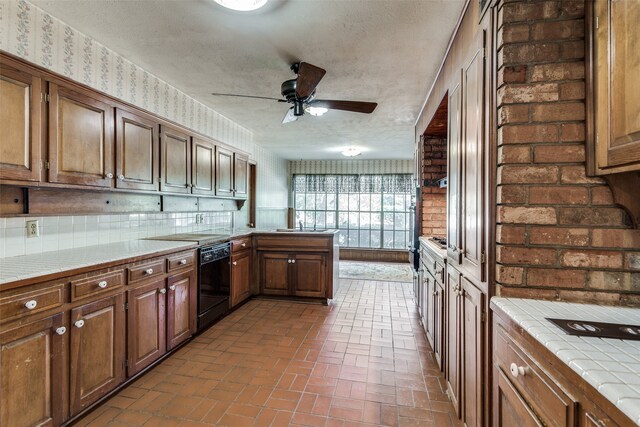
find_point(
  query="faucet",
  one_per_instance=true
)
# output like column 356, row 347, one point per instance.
column 300, row 224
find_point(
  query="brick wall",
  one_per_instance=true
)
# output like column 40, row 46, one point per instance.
column 559, row 233
column 434, row 199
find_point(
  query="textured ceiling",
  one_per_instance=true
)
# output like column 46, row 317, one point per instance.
column 387, row 51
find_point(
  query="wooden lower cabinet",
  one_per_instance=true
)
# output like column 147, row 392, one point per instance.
column 33, row 369
column 301, row 275
column 309, row 273
column 146, row 325
column 240, row 277
column 97, row 355
column 274, row 273
column 472, row 341
column 509, row 408
column 453, row 337
column 181, row 308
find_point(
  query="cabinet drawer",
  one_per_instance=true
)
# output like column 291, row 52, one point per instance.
column 145, row 271
column 96, row 285
column 31, row 300
column 241, row 244
column 176, row 262
column 550, row 403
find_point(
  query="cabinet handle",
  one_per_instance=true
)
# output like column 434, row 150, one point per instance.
column 79, row 323
column 183, row 262
column 121, row 177
column 61, row 330
column 31, row 304
column 109, row 175
column 163, row 291
column 148, row 271
column 518, row 371
column 102, row 284
column 172, row 287
column 234, row 263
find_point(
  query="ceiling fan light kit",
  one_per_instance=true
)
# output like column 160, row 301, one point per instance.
column 242, row 5
column 301, row 93
column 351, row 152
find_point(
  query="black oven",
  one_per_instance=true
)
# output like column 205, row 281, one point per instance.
column 214, row 279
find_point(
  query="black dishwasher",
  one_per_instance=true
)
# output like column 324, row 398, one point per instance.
column 214, row 277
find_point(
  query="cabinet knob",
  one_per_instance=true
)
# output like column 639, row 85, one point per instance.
column 518, row 371
column 102, row 284
column 293, row 261
column 149, row 271
column 435, row 293
column 61, row 330
column 234, row 263
column 31, row 304
column 109, row 175
column 172, row 287
column 121, row 177
column 244, row 245
column 251, row 224
column 183, row 261
column 79, row 323
column 289, row 261
column 163, row 291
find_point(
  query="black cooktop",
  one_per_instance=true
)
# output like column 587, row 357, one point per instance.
column 597, row 329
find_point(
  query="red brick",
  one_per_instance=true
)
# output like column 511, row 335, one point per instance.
column 558, row 153
column 607, row 280
column 511, row 33
column 557, row 71
column 514, row 12
column 557, row 30
column 533, row 92
column 513, row 114
column 615, row 238
column 527, row 174
column 591, row 259
column 587, row 297
column 632, row 260
column 559, row 236
column 509, row 275
column 572, row 9
column 558, row 195
column 526, row 215
column 508, row 194
column 577, row 175
column 525, row 53
column 509, row 292
column 601, row 195
column 522, row 255
column 557, row 112
column 514, row 154
column 572, row 50
column 591, row 216
column 512, row 74
column 524, row 134
column 510, row 234
column 572, row 91
column 556, row 278
column 572, row 132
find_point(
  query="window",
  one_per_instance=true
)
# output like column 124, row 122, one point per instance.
column 371, row 211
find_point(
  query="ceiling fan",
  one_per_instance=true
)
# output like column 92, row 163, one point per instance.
column 301, row 92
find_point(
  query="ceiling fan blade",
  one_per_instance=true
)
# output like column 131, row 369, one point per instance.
column 308, row 78
column 355, row 106
column 249, row 96
column 289, row 117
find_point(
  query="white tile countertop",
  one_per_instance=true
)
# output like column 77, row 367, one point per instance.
column 23, row 267
column 611, row 366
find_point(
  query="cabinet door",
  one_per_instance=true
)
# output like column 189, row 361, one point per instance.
column 617, row 105
column 202, row 167
column 438, row 325
column 97, row 350
column 240, row 277
column 274, row 273
column 310, row 275
column 509, row 408
column 453, row 177
column 472, row 351
column 175, row 175
column 240, row 178
column 145, row 325
column 137, row 162
column 473, row 177
column 224, row 172
column 21, row 118
column 452, row 328
column 32, row 374
column 429, row 302
column 181, row 308
column 81, row 139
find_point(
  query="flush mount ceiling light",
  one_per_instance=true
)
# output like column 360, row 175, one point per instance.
column 352, row 151
column 316, row 111
column 242, row 5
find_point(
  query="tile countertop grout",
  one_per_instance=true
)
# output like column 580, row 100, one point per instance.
column 611, row 366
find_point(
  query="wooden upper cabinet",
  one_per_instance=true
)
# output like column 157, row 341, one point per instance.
column 241, row 175
column 137, row 160
column 97, row 351
column 453, row 177
column 224, row 172
column 32, row 380
column 176, row 161
column 81, row 140
column 21, row 123
column 616, row 37
column 203, row 167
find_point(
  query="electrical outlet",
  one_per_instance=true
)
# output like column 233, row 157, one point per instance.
column 33, row 229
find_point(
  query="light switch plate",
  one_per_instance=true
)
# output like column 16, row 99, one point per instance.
column 33, row 228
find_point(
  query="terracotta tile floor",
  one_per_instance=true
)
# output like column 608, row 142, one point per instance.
column 363, row 360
